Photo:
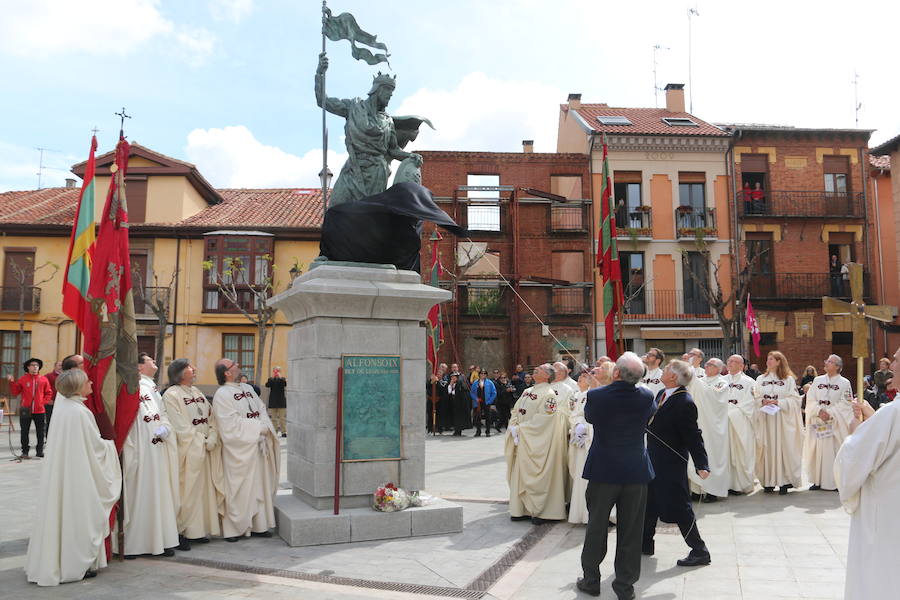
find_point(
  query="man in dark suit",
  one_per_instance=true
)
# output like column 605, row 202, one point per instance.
column 673, row 434
column 618, row 470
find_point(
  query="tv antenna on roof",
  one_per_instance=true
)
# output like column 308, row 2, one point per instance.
column 41, row 162
column 656, row 88
column 692, row 12
column 856, row 103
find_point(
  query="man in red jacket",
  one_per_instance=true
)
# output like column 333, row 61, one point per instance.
column 35, row 391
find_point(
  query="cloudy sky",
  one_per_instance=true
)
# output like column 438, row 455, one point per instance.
column 227, row 84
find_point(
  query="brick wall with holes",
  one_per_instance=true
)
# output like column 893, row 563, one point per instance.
column 547, row 237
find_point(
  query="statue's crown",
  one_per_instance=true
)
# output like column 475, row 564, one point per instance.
column 384, row 79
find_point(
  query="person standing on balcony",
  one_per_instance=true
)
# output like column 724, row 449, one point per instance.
column 758, row 197
column 779, row 429
column 652, row 379
column 834, row 270
column 829, row 412
column 747, row 193
column 35, row 391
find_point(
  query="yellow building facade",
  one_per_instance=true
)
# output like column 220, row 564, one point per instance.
column 178, row 223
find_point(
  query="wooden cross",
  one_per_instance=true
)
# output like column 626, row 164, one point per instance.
column 858, row 312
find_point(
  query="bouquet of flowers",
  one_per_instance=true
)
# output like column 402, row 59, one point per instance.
column 390, row 498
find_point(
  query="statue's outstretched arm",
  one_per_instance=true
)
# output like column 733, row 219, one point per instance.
column 333, row 105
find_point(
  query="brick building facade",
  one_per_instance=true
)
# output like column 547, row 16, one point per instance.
column 800, row 198
column 530, row 250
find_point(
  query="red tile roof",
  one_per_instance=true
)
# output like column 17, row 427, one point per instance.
column 263, row 208
column 240, row 209
column 881, row 162
column 645, row 121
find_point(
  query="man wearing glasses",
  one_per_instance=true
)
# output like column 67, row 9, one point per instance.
column 696, row 358
column 250, row 455
column 652, row 379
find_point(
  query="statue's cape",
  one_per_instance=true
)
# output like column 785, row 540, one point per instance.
column 385, row 228
column 407, row 128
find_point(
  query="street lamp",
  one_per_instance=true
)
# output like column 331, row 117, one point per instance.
column 325, row 176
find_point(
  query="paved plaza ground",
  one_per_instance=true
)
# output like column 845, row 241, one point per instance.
column 763, row 546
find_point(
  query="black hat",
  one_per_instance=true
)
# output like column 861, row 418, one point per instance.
column 31, row 360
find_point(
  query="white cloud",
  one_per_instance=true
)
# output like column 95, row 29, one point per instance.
column 233, row 157
column 47, row 28
column 486, row 114
column 230, row 10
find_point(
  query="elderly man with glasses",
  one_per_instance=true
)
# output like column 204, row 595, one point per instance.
column 250, row 455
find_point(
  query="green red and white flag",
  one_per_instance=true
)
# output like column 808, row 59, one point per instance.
column 110, row 346
column 435, row 323
column 81, row 246
column 608, row 260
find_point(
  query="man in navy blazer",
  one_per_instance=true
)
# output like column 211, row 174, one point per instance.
column 672, row 435
column 618, row 470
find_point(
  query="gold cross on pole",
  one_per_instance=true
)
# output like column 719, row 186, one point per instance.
column 858, row 312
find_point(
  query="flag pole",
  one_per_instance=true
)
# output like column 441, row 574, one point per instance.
column 324, row 129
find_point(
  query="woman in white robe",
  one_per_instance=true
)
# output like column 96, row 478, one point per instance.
column 80, row 482
column 779, row 430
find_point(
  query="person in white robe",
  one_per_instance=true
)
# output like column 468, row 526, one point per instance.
column 199, row 457
column 251, row 456
column 581, row 435
column 829, row 411
column 80, row 483
column 652, row 379
column 150, row 465
column 560, row 384
column 741, row 436
column 710, row 396
column 867, row 473
column 535, row 449
column 778, row 426
column 695, row 358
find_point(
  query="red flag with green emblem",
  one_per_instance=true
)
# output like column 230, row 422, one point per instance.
column 608, row 260
column 435, row 323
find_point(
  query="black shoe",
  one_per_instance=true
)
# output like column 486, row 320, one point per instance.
column 648, row 548
column 284, row 435
column 498, row 429
column 540, row 521
column 521, row 518
column 233, row 539
column 487, row 433
column 168, row 552
column 783, row 490
column 477, row 434
column 40, row 454
column 266, row 534
column 200, row 540
column 130, row 556
column 183, row 544
column 90, row 574
column 815, row 487
column 695, row 497
column 735, row 493
column 709, row 499
column 25, row 452
column 591, row 589
column 768, row 490
column 694, row 560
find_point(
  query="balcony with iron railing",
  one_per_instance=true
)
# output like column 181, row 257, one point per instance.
column 482, row 301
column 800, row 203
column 570, row 300
column 803, row 286
column 569, row 217
column 16, row 298
column 693, row 223
column 635, row 223
column 665, row 305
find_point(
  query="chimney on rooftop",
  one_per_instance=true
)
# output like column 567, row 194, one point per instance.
column 527, row 146
column 675, row 97
column 574, row 100
column 70, row 183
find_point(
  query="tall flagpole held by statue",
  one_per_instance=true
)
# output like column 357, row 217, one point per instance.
column 322, row 176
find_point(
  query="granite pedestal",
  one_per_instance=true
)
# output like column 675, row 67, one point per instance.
column 334, row 310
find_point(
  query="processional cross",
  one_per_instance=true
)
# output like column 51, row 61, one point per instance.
column 858, row 312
